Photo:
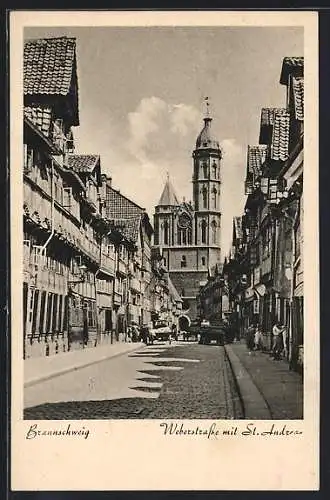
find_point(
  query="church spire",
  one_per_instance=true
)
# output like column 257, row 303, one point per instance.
column 168, row 197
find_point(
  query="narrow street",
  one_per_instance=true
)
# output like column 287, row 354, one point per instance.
column 181, row 380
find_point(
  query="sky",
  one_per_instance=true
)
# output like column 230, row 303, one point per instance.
column 141, row 102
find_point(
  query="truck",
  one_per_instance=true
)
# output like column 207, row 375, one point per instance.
column 213, row 332
column 162, row 330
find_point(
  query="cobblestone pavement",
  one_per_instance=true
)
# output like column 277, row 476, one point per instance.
column 178, row 381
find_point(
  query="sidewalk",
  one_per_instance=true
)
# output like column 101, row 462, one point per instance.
column 266, row 386
column 44, row 368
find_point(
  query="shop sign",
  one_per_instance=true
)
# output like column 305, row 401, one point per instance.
column 249, row 294
column 261, row 290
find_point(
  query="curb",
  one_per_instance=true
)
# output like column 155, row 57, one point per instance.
column 63, row 371
column 254, row 404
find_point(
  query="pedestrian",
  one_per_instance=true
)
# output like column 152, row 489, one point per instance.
column 278, row 344
column 170, row 338
column 250, row 338
column 258, row 339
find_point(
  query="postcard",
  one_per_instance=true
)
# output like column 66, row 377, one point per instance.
column 165, row 303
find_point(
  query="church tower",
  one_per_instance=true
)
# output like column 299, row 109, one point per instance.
column 206, row 190
column 189, row 232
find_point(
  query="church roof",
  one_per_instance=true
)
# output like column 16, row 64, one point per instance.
column 206, row 140
column 168, row 197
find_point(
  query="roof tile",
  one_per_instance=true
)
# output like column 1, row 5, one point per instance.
column 40, row 116
column 49, row 65
column 83, row 163
column 298, row 98
column 280, row 139
column 256, row 157
column 291, row 66
column 118, row 206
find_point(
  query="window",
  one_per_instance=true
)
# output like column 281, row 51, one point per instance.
column 214, row 198
column 189, row 237
column 203, row 261
column 214, row 168
column 203, row 226
column 214, row 232
column 183, row 261
column 166, row 233
column 204, row 194
column 67, row 197
column 28, row 158
column 204, row 167
column 272, row 193
column 165, row 263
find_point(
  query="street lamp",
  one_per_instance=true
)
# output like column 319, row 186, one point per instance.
column 82, row 276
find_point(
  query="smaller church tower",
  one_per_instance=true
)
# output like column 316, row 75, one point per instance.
column 163, row 219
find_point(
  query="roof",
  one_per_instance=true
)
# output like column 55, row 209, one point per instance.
column 266, row 123
column 128, row 227
column 255, row 158
column 48, row 65
column 120, row 207
column 40, row 116
column 206, row 139
column 298, row 98
column 83, row 163
column 49, row 69
column 280, row 140
column 291, row 66
column 237, row 222
column 168, row 196
column 268, row 116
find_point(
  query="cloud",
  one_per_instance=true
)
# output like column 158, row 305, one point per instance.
column 183, row 119
column 158, row 137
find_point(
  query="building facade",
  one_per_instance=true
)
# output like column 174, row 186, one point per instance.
column 189, row 233
column 265, row 271
column 88, row 271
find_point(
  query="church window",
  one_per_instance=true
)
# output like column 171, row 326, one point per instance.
column 184, row 237
column 214, row 197
column 203, row 225
column 203, row 261
column 183, row 261
column 204, row 194
column 214, row 232
column 189, row 237
column 166, row 233
column 214, row 167
column 204, row 167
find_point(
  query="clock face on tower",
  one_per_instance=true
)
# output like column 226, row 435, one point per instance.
column 184, row 221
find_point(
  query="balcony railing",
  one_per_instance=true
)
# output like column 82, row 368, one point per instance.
column 108, row 264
